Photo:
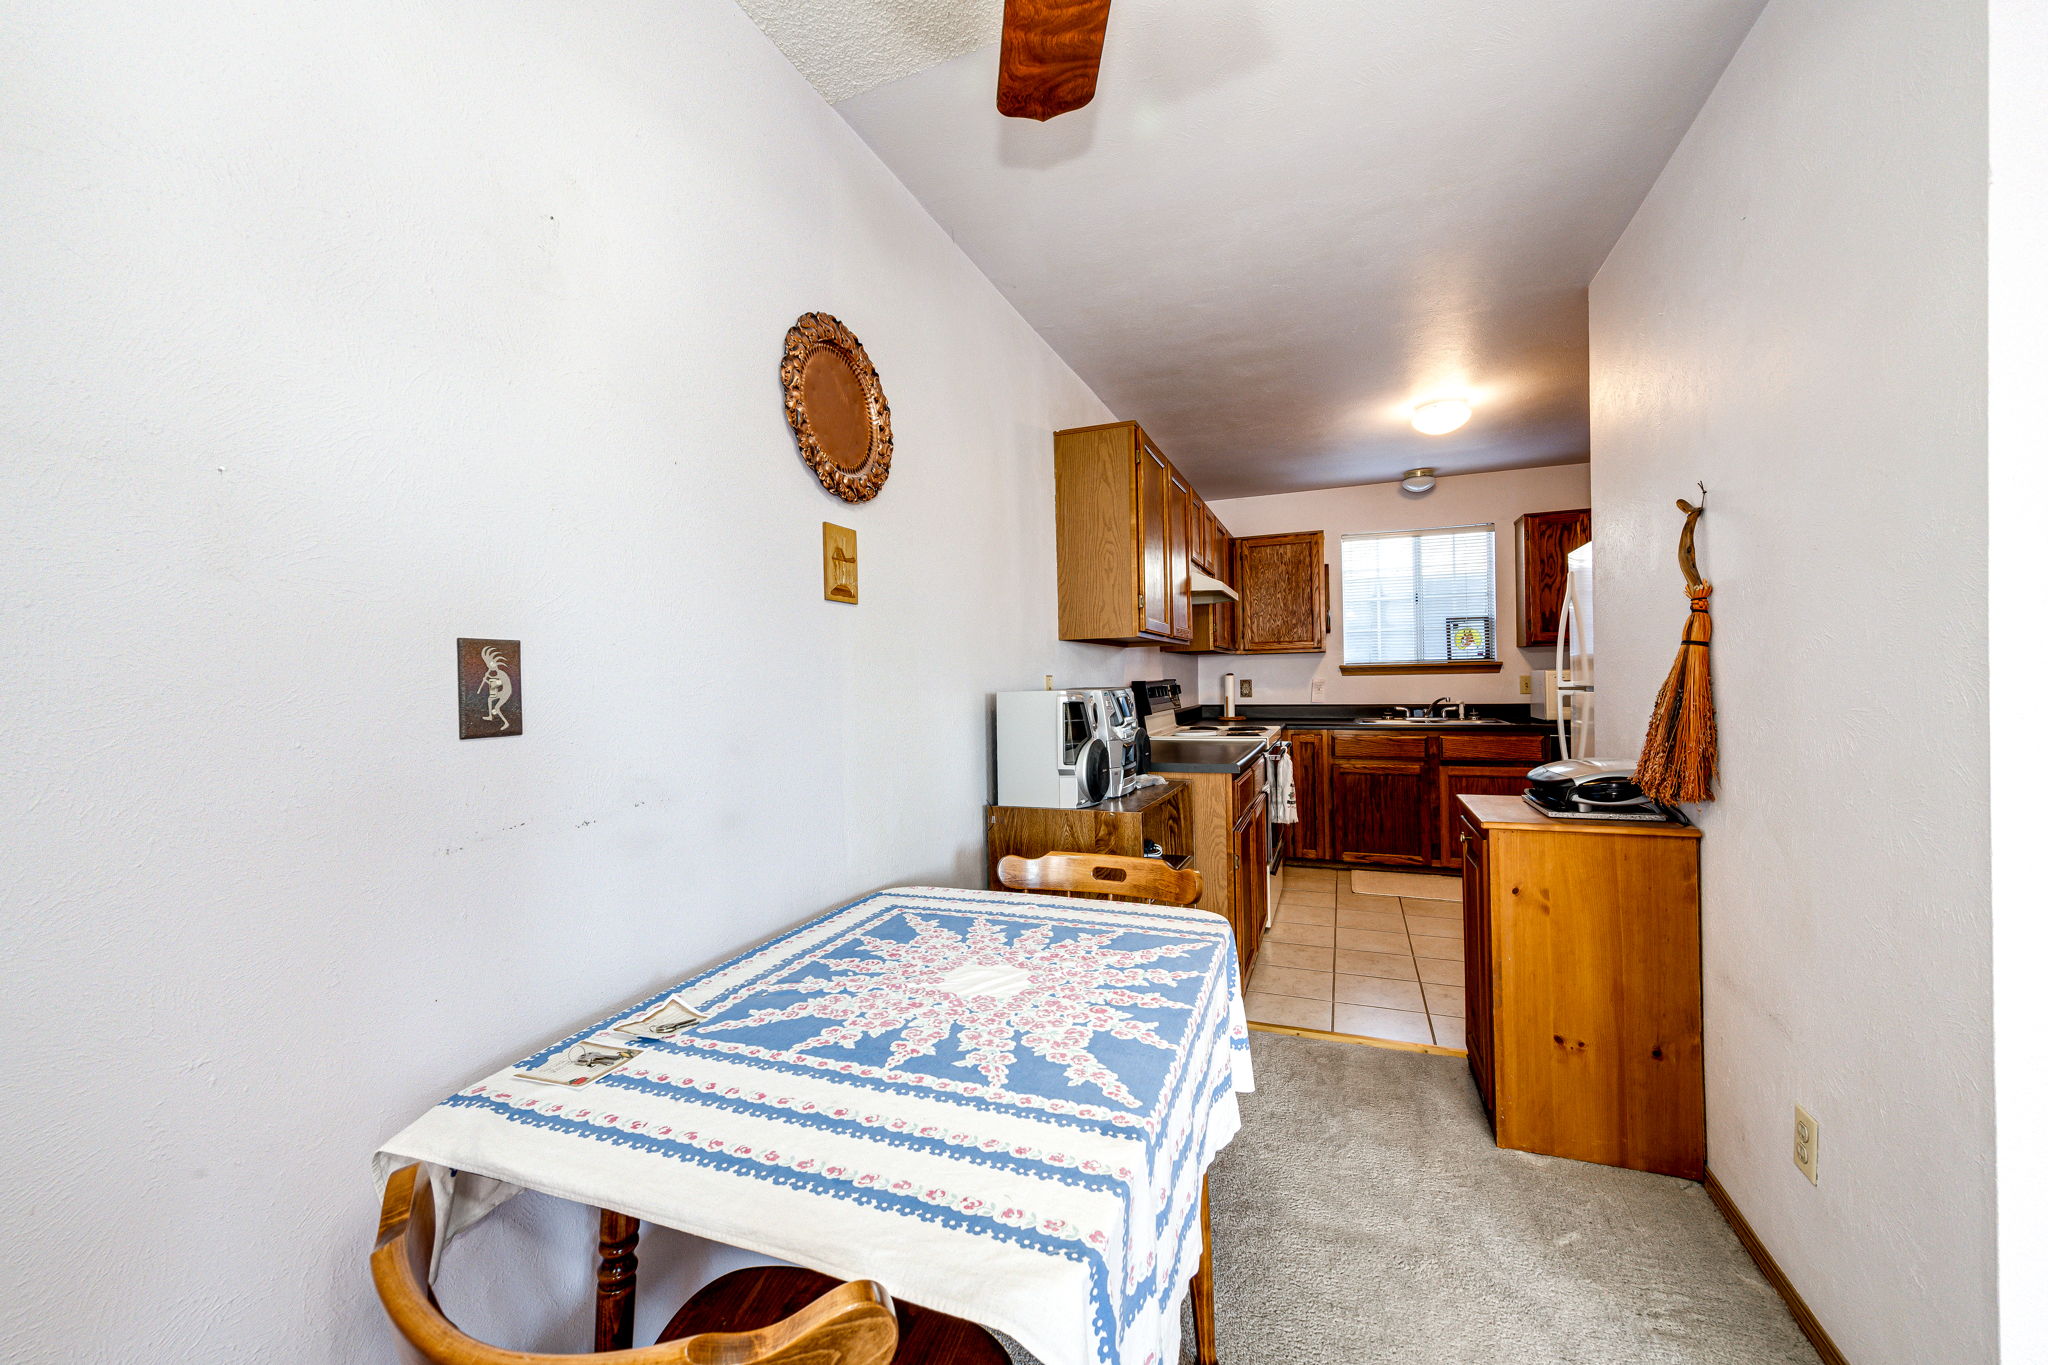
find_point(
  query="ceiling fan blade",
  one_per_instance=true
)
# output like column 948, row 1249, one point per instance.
column 1051, row 51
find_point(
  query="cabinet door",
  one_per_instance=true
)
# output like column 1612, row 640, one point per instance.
column 1155, row 492
column 1543, row 541
column 1456, row 780
column 1380, row 811
column 1281, row 587
column 1180, row 500
column 1308, row 836
column 1248, row 892
column 1479, row 1049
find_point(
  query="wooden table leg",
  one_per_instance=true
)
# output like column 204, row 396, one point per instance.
column 1202, row 1290
column 618, row 1271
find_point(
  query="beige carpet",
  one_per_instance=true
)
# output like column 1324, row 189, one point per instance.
column 1364, row 1215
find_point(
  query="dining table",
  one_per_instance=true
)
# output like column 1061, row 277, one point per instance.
column 1000, row 1106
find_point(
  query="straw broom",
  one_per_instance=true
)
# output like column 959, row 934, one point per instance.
column 1681, row 750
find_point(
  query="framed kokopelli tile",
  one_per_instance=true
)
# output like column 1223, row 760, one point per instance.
column 487, row 676
column 842, row 565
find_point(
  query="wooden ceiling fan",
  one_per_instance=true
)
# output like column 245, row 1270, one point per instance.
column 1051, row 52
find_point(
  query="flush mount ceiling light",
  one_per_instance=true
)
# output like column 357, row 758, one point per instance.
column 1441, row 415
column 1418, row 481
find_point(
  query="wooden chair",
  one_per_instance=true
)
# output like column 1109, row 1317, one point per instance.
column 1101, row 874
column 765, row 1315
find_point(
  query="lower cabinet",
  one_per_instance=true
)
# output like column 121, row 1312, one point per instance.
column 1379, row 810
column 1388, row 798
column 1309, row 836
column 1248, row 872
column 1582, row 986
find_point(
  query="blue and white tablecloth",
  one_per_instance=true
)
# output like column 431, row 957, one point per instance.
column 1000, row 1106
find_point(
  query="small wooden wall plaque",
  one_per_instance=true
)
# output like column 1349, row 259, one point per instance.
column 842, row 565
column 489, row 699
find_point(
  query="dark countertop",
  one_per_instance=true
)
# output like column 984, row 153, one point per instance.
column 1199, row 756
column 1504, row 719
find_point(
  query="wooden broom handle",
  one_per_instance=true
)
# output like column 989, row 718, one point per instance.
column 1687, row 563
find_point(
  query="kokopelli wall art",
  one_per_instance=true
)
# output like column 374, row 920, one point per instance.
column 487, row 678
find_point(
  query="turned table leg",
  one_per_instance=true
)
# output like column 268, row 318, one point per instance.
column 1202, row 1291
column 618, row 1269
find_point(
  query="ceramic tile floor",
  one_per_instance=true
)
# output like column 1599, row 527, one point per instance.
column 1374, row 954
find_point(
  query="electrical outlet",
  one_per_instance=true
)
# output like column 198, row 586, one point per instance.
column 1244, row 687
column 1806, row 1144
column 1525, row 684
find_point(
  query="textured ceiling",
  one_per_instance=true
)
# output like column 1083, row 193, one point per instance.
column 1282, row 222
column 846, row 46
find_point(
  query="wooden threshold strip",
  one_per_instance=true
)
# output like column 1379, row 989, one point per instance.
column 1823, row 1344
column 1388, row 1043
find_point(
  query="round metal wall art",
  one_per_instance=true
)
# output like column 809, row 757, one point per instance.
column 833, row 399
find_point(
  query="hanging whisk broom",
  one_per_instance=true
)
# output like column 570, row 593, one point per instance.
column 1681, row 750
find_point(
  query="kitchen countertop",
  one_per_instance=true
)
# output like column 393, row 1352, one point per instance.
column 1196, row 756
column 1508, row 719
column 1512, row 727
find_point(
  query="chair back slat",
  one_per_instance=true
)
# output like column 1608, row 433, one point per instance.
column 1101, row 874
column 854, row 1324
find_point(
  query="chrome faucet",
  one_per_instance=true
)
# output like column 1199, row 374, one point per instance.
column 1440, row 708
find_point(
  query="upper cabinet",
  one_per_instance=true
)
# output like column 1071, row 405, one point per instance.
column 1542, row 540
column 1123, row 523
column 1283, row 592
column 1133, row 531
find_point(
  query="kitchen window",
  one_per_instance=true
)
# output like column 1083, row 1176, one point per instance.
column 1420, row 601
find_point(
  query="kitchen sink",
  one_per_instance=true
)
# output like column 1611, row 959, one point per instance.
column 1431, row 720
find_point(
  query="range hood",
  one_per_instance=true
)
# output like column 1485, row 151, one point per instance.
column 1204, row 589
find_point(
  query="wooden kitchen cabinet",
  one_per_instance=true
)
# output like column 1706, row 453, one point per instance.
column 1283, row 593
column 1374, row 797
column 1380, row 800
column 1308, row 837
column 1121, row 512
column 1248, row 847
column 1582, row 985
column 1180, row 509
column 1542, row 540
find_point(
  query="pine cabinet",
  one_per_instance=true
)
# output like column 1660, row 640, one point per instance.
column 1283, row 593
column 1122, row 517
column 1542, row 540
column 1582, row 986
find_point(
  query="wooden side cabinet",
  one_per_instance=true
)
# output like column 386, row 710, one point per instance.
column 1122, row 517
column 1542, row 540
column 1283, row 593
column 1161, row 815
column 1582, row 985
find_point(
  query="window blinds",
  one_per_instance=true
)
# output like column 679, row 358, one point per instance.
column 1419, row 596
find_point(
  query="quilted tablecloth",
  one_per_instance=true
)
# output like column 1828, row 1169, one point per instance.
column 1000, row 1106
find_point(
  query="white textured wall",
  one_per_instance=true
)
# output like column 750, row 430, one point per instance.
column 2019, row 658
column 1797, row 317
column 1462, row 500
column 329, row 334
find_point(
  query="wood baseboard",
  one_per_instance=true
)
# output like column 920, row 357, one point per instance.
column 1823, row 1344
column 1326, row 1036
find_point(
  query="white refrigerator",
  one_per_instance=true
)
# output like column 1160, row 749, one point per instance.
column 1574, row 676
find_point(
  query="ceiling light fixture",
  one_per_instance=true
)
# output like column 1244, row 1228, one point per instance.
column 1418, row 481
column 1441, row 415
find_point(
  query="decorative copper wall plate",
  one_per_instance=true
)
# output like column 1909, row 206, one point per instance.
column 833, row 399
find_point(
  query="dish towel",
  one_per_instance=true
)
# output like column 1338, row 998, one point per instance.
column 1285, row 812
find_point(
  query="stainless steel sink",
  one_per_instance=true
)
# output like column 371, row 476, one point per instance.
column 1431, row 720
